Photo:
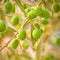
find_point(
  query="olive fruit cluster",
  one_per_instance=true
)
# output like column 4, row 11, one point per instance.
column 31, row 14
column 36, row 11
column 2, row 25
column 8, row 7
column 40, row 12
column 22, row 35
column 56, row 7
column 36, row 33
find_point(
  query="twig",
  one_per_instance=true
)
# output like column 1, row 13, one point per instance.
column 2, row 2
column 2, row 14
column 20, row 5
column 39, row 2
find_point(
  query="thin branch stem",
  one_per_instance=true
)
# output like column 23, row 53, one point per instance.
column 2, row 2
column 20, row 5
column 39, row 2
column 2, row 14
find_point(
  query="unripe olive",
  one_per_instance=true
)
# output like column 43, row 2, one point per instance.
column 14, row 20
column 37, row 25
column 22, row 34
column 36, row 33
column 38, row 10
column 45, row 14
column 31, row 14
column 14, row 43
column 44, row 21
column 27, row 10
column 56, row 7
column 8, row 7
column 2, row 25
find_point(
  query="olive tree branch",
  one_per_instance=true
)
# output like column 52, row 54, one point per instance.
column 20, row 5
column 13, row 37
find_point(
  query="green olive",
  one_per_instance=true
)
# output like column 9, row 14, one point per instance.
column 22, row 34
column 45, row 14
column 24, row 45
column 31, row 14
column 44, row 21
column 14, row 43
column 14, row 20
column 37, row 25
column 38, row 10
column 2, row 26
column 56, row 7
column 36, row 33
column 27, row 10
column 48, row 57
column 8, row 7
